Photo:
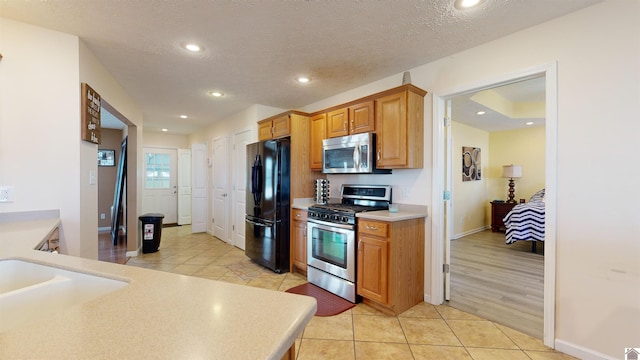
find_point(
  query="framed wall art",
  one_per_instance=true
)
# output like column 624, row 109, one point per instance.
column 106, row 157
column 471, row 164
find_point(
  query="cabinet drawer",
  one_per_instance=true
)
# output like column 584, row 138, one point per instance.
column 299, row 215
column 373, row 228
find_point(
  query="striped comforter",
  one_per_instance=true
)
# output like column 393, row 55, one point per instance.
column 525, row 222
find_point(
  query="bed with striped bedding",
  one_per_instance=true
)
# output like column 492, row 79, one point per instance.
column 525, row 222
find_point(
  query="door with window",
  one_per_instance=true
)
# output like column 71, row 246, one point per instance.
column 160, row 194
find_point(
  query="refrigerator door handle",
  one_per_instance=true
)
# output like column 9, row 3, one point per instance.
column 259, row 223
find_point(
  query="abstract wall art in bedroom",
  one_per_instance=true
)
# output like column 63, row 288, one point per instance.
column 471, row 164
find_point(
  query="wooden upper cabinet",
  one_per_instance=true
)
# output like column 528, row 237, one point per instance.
column 318, row 132
column 361, row 118
column 274, row 128
column 399, row 123
column 355, row 119
column 338, row 123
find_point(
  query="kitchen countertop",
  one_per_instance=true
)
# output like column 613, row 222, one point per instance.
column 405, row 212
column 157, row 315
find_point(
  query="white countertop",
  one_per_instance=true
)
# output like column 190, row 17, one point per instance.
column 157, row 315
column 405, row 212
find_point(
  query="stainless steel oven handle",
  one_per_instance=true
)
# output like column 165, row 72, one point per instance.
column 330, row 224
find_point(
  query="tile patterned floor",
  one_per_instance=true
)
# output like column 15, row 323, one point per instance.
column 422, row 332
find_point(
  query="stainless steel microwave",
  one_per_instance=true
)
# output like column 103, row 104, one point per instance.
column 352, row 154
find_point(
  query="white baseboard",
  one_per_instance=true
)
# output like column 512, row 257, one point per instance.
column 133, row 253
column 582, row 352
column 104, row 229
column 427, row 299
column 469, row 232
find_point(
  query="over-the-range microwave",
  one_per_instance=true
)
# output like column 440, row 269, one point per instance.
column 351, row 154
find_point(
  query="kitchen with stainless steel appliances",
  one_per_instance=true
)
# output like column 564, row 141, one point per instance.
column 267, row 203
column 332, row 237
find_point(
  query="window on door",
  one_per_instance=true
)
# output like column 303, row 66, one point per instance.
column 158, row 171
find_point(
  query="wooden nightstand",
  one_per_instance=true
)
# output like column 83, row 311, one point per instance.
column 498, row 211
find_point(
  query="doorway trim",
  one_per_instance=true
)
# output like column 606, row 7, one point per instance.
column 549, row 71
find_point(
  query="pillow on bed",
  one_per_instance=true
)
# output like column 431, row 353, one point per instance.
column 539, row 196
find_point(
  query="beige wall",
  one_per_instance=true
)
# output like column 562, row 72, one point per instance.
column 156, row 139
column 525, row 147
column 469, row 198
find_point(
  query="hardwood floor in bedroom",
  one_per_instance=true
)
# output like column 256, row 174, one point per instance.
column 499, row 282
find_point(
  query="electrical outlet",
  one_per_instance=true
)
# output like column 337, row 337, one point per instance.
column 103, row 216
column 6, row 194
column 405, row 192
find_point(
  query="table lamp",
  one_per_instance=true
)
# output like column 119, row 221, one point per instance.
column 511, row 172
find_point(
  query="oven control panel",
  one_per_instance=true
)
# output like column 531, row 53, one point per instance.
column 332, row 216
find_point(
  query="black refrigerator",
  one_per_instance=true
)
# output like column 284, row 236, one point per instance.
column 267, row 212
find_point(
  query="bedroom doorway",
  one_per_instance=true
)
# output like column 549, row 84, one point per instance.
column 447, row 218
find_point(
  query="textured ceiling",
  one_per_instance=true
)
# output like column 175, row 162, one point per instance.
column 255, row 49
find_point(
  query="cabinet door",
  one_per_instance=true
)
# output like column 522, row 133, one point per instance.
column 337, row 123
column 317, row 134
column 264, row 130
column 299, row 240
column 373, row 271
column 281, row 127
column 361, row 119
column 391, row 129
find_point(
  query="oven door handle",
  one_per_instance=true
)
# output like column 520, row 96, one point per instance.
column 330, row 224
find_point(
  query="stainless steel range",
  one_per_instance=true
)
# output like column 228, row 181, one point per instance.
column 331, row 233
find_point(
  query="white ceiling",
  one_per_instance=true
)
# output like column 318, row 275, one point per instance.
column 255, row 49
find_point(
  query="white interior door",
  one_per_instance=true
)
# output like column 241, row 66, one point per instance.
column 160, row 194
column 184, row 186
column 198, row 188
column 448, row 211
column 240, row 141
column 220, row 184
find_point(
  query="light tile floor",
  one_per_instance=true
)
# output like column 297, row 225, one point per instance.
column 422, row 332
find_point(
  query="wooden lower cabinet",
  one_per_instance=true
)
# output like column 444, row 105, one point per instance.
column 298, row 241
column 390, row 270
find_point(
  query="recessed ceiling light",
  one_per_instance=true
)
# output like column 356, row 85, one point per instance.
column 529, row 123
column 215, row 93
column 303, row 79
column 165, row 130
column 466, row 4
column 193, row 47
column 480, row 113
column 183, row 116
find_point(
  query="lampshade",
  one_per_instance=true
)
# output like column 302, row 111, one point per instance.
column 511, row 171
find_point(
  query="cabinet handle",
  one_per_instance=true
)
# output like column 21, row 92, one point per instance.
column 344, row 125
column 359, row 246
column 378, row 155
column 369, row 227
column 298, row 215
column 351, row 125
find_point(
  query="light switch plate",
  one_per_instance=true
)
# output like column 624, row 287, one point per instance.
column 6, row 194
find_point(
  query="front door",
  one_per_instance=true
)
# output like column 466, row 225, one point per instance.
column 160, row 193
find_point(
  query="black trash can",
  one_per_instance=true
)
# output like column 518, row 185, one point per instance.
column 151, row 229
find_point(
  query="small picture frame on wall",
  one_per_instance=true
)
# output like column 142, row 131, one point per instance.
column 106, row 157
